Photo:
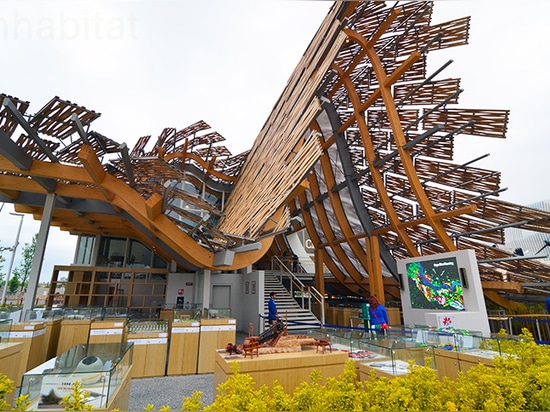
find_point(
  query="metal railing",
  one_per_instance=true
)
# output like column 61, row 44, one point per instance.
column 307, row 293
column 537, row 324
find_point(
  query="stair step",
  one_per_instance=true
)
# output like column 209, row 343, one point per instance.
column 289, row 309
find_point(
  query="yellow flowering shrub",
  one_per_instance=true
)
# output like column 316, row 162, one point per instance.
column 6, row 387
column 518, row 381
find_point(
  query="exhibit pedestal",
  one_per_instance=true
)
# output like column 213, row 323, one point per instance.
column 73, row 332
column 11, row 365
column 289, row 369
column 149, row 358
column 184, row 348
column 214, row 334
column 32, row 336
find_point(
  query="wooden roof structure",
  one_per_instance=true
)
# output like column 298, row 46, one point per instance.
column 359, row 146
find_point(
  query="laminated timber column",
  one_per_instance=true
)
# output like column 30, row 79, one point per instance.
column 375, row 268
column 319, row 272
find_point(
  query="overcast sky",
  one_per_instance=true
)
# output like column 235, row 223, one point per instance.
column 145, row 65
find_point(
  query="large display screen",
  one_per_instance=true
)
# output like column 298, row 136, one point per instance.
column 435, row 284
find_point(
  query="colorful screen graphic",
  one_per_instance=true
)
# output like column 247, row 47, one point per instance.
column 435, row 284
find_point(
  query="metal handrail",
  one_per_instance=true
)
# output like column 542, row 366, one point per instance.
column 295, row 281
column 537, row 324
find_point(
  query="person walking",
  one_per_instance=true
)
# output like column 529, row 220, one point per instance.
column 272, row 316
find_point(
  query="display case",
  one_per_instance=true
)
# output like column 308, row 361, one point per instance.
column 151, row 346
column 387, row 356
column 12, row 312
column 184, row 344
column 215, row 333
column 75, row 327
column 187, row 315
column 82, row 312
column 217, row 313
column 102, row 369
column 5, row 327
column 53, row 318
column 147, row 326
column 115, row 313
column 11, row 363
column 43, row 314
column 458, row 350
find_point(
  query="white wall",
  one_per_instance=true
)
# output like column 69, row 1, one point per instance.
column 180, row 282
column 473, row 318
column 245, row 307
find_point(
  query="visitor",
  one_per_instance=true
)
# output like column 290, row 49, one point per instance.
column 548, row 305
column 378, row 314
column 272, row 316
column 294, row 263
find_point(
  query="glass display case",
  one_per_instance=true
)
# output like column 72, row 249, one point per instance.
column 217, row 313
column 385, row 354
column 186, row 315
column 78, row 313
column 115, row 313
column 43, row 314
column 5, row 328
column 12, row 312
column 101, row 369
column 148, row 326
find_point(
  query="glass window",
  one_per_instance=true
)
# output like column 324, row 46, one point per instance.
column 85, row 250
column 111, row 252
column 139, row 255
column 159, row 263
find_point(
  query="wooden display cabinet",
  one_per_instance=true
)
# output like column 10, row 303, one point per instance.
column 32, row 336
column 289, row 369
column 73, row 332
column 184, row 348
column 53, row 331
column 214, row 334
column 150, row 339
column 11, row 364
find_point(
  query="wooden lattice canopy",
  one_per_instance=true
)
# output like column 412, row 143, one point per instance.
column 359, row 146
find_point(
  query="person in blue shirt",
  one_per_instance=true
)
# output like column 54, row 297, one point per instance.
column 378, row 314
column 548, row 305
column 272, row 316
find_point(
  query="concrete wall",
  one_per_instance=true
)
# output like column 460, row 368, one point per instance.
column 245, row 305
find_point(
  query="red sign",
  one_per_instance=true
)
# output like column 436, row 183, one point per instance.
column 188, row 283
column 180, row 291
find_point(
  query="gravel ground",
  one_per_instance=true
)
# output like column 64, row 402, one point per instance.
column 169, row 391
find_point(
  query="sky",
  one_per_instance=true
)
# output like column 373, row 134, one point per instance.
column 146, row 65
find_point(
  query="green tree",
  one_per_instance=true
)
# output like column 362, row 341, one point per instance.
column 23, row 271
column 13, row 284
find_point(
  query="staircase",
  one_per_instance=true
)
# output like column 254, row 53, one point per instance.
column 287, row 307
